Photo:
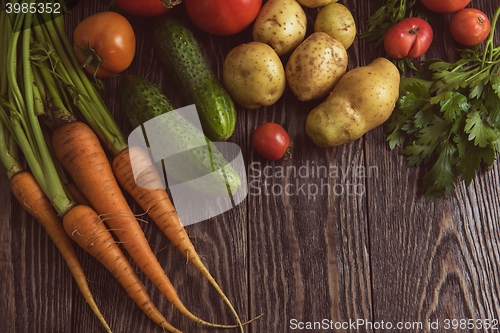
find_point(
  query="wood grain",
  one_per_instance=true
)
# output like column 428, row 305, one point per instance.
column 302, row 246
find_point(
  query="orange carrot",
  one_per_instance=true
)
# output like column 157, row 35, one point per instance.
column 29, row 194
column 77, row 196
column 156, row 202
column 86, row 228
column 79, row 151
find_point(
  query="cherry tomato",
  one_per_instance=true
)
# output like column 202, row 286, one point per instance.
column 271, row 141
column 223, row 17
column 445, row 6
column 149, row 8
column 409, row 38
column 470, row 26
column 104, row 41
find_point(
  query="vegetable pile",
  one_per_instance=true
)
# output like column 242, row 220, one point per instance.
column 52, row 110
column 446, row 116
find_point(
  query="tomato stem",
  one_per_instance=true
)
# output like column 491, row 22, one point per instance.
column 171, row 3
column 288, row 152
column 413, row 31
column 91, row 57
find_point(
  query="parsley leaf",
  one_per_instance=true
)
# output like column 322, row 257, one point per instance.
column 426, row 141
column 415, row 97
column 441, row 176
column 453, row 106
column 471, row 159
column 479, row 130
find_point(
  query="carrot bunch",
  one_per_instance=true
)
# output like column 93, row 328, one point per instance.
column 30, row 195
column 54, row 91
column 42, row 192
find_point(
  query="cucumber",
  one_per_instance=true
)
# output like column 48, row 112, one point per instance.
column 181, row 54
column 197, row 156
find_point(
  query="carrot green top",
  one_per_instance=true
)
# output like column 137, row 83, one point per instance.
column 17, row 111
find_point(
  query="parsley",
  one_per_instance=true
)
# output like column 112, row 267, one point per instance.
column 448, row 117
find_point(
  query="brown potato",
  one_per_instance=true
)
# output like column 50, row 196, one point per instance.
column 282, row 24
column 337, row 21
column 315, row 66
column 253, row 75
column 315, row 3
column 363, row 99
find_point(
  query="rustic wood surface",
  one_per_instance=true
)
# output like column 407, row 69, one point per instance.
column 383, row 255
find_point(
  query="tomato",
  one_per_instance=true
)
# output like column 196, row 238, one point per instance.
column 271, row 141
column 104, row 41
column 223, row 17
column 149, row 8
column 470, row 26
column 445, row 6
column 409, row 38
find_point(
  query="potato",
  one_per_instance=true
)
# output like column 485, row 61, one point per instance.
column 253, row 75
column 337, row 21
column 282, row 24
column 315, row 66
column 315, row 3
column 363, row 99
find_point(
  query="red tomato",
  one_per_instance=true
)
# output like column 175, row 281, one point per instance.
column 147, row 7
column 470, row 26
column 223, row 17
column 271, row 141
column 409, row 38
column 111, row 40
column 445, row 6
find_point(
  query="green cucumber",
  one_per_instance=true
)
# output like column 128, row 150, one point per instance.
column 142, row 101
column 181, row 54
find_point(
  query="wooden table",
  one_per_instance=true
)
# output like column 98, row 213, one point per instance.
column 382, row 256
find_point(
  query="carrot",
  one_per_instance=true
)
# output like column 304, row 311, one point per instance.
column 156, row 202
column 86, row 228
column 79, row 151
column 78, row 197
column 29, row 194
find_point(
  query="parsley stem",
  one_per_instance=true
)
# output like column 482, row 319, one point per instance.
column 489, row 42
